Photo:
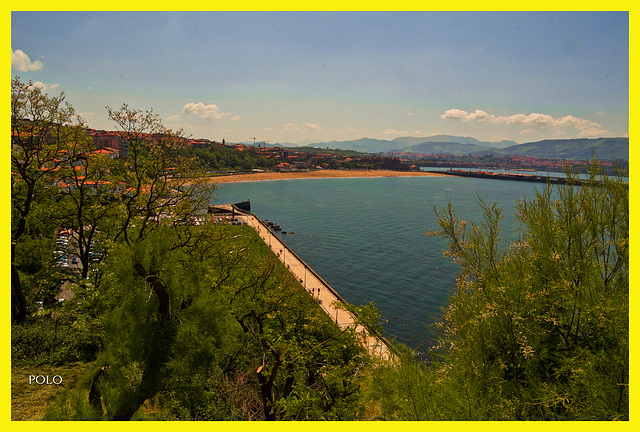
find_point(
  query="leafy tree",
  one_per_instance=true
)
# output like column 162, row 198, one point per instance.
column 215, row 329
column 42, row 128
column 307, row 367
column 545, row 324
column 88, row 193
column 538, row 331
column 153, row 313
column 150, row 196
column 159, row 179
column 289, row 361
column 201, row 320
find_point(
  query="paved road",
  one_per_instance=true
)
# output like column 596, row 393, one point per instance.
column 316, row 287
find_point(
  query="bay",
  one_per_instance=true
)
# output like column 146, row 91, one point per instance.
column 367, row 237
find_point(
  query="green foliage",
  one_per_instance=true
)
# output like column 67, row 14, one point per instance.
column 537, row 331
column 40, row 278
column 410, row 389
column 72, row 406
column 42, row 128
column 33, row 254
column 540, row 331
column 289, row 350
column 218, row 158
column 242, row 339
column 369, row 316
column 196, row 322
column 61, row 341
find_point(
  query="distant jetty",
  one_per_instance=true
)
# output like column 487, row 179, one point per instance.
column 514, row 177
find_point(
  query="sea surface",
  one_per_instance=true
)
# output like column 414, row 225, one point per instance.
column 366, row 237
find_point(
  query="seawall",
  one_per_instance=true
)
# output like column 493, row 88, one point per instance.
column 327, row 297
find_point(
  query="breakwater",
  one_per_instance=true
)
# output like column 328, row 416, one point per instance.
column 327, row 297
column 512, row 177
column 366, row 238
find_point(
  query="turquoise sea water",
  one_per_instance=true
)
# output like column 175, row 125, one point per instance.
column 366, row 237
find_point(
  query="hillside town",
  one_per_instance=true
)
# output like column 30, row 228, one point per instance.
column 260, row 157
column 504, row 162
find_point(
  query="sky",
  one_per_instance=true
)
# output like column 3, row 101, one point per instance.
column 303, row 77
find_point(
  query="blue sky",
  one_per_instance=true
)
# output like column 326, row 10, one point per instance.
column 322, row 76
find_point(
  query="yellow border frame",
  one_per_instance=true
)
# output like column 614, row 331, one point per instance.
column 330, row 5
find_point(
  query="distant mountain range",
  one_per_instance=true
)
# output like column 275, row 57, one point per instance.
column 577, row 149
column 409, row 141
column 372, row 145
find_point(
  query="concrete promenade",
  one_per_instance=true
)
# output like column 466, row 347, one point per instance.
column 315, row 285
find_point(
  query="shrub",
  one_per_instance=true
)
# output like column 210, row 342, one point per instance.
column 44, row 340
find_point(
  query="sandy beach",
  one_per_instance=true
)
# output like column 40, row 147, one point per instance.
column 261, row 176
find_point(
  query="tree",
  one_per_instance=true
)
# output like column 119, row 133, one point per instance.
column 151, row 314
column 545, row 323
column 155, row 186
column 42, row 128
column 159, row 179
column 212, row 327
column 88, row 196
column 301, row 366
column 187, row 314
column 536, row 331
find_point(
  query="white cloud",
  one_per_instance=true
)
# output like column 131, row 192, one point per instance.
column 351, row 129
column 533, row 120
column 458, row 114
column 307, row 127
column 393, row 132
column 237, row 117
column 205, row 112
column 44, row 86
column 313, row 127
column 290, row 127
column 20, row 61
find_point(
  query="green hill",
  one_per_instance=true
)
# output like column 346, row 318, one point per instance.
column 363, row 145
column 372, row 145
column 577, row 149
column 453, row 148
column 412, row 141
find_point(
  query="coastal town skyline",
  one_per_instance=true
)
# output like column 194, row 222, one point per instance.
column 291, row 77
